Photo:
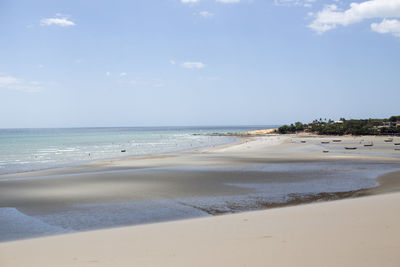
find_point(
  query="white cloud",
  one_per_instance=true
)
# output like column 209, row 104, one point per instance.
column 40, row 66
column 60, row 20
column 122, row 74
column 387, row 26
column 8, row 80
column 193, row 65
column 189, row 1
column 228, row 1
column 12, row 83
column 206, row 14
column 330, row 16
column 108, row 73
column 172, row 62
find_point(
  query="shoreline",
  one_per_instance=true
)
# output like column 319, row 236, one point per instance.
column 144, row 156
column 38, row 166
column 240, row 139
column 256, row 173
column 388, row 183
column 91, row 163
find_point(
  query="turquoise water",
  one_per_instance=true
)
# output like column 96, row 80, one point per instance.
column 32, row 149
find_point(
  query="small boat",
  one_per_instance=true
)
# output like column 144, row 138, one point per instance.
column 350, row 147
column 336, row 140
column 123, row 150
column 398, row 149
column 325, row 151
column 388, row 140
column 369, row 144
column 325, row 142
column 397, row 144
column 302, row 141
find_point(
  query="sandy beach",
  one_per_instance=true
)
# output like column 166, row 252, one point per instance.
column 259, row 172
column 355, row 232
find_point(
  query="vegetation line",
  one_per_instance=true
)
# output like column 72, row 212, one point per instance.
column 390, row 126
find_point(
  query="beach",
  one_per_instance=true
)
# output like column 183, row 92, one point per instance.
column 355, row 232
column 256, row 174
column 200, row 133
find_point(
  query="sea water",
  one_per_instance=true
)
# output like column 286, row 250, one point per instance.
column 32, row 149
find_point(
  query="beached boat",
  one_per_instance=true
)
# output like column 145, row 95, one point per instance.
column 388, row 140
column 302, row 141
column 397, row 144
column 369, row 144
column 350, row 147
column 336, row 140
column 325, row 142
column 325, row 151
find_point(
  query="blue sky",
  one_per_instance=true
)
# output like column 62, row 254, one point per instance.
column 197, row 62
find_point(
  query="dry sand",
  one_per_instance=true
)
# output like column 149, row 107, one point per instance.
column 262, row 132
column 356, row 232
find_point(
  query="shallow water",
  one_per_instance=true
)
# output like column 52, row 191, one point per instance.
column 256, row 183
column 32, row 149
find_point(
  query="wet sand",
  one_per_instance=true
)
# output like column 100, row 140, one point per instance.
column 260, row 172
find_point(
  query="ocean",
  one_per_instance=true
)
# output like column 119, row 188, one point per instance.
column 24, row 150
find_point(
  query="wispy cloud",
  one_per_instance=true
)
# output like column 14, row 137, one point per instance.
column 59, row 20
column 122, row 74
column 331, row 16
column 8, row 80
column 16, row 84
column 206, row 14
column 172, row 62
column 108, row 73
column 193, row 65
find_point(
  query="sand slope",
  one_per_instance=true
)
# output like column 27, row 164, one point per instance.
column 352, row 232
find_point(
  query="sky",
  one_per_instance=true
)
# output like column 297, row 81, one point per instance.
column 92, row 63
